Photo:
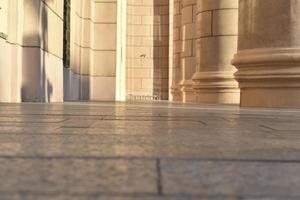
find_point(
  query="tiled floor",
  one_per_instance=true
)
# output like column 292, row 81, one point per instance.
column 136, row 151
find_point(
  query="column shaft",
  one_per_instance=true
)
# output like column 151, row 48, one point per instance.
column 217, row 27
column 175, row 90
column 188, row 50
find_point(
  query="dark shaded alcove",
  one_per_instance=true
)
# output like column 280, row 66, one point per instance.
column 67, row 22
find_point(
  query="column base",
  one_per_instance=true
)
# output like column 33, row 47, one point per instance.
column 216, row 88
column 271, row 97
column 176, row 94
column 218, row 96
column 187, row 91
column 269, row 77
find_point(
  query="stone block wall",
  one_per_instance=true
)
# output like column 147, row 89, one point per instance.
column 5, row 55
column 147, row 49
column 36, row 34
column 93, row 50
column 104, row 45
column 161, row 49
column 76, row 78
column 31, row 65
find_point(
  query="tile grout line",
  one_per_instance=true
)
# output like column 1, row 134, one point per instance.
column 159, row 178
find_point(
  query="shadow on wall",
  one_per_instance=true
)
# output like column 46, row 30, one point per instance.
column 36, row 87
column 76, row 86
column 36, row 83
column 161, row 50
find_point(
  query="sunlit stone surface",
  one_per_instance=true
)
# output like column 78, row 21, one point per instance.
column 116, row 151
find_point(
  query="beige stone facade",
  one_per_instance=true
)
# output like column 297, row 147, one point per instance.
column 147, row 63
column 203, row 51
column 31, row 65
column 92, row 73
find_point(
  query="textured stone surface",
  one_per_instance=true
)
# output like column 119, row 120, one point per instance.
column 147, row 49
column 217, row 30
column 134, row 151
column 92, row 197
column 77, row 175
column 230, row 178
column 268, row 35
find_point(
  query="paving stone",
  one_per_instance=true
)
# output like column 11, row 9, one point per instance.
column 78, row 176
column 104, row 197
column 198, row 146
column 80, row 123
column 144, row 125
column 44, row 197
column 86, row 197
column 282, row 126
column 14, row 129
column 245, row 198
column 110, row 151
column 31, row 119
column 230, row 178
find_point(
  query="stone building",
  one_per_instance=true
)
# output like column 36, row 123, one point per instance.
column 204, row 51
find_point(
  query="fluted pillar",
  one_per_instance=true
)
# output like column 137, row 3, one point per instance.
column 217, row 27
column 268, row 58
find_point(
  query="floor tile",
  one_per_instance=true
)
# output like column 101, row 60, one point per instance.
column 230, row 178
column 77, row 176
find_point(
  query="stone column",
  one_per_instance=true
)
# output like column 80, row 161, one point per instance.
column 175, row 90
column 217, row 27
column 268, row 58
column 188, row 51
